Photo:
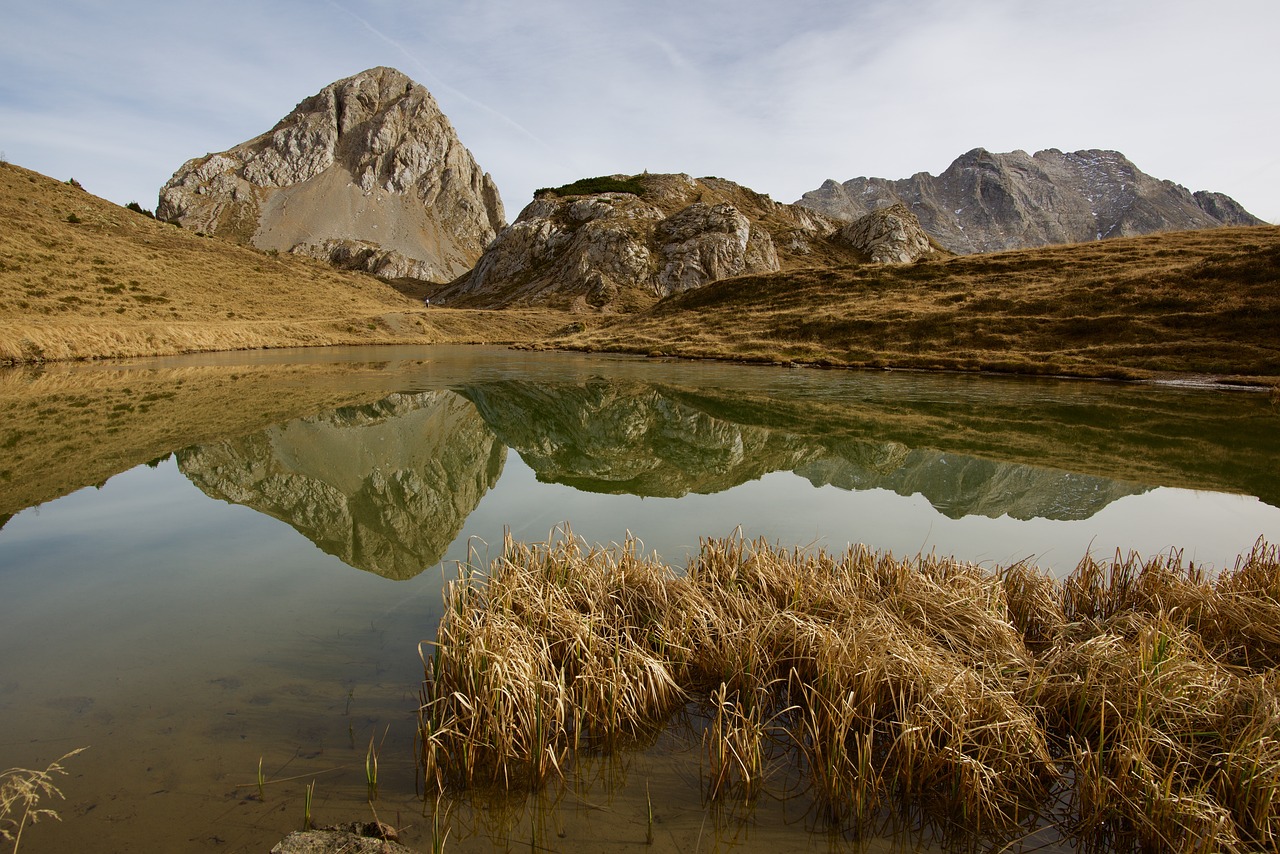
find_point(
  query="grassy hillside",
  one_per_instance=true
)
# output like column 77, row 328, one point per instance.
column 83, row 278
column 1191, row 302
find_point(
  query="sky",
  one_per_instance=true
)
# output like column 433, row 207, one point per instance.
column 778, row 95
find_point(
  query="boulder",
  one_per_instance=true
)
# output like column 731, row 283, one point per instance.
column 352, row 838
column 890, row 235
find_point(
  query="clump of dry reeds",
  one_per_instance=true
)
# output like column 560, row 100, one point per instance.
column 1145, row 689
column 543, row 658
column 1161, row 693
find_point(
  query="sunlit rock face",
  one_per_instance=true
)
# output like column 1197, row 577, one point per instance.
column 368, row 173
column 636, row 439
column 385, row 487
column 890, row 235
column 985, row 202
column 624, row 250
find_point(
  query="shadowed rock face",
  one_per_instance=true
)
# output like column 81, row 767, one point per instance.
column 986, row 202
column 625, row 250
column 367, row 173
column 385, row 487
column 636, row 439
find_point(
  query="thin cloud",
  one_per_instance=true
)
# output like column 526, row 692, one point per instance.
column 777, row 97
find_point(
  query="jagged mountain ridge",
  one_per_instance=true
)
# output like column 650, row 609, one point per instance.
column 367, row 173
column 987, row 202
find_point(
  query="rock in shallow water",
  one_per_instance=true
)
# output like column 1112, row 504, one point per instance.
column 353, row 838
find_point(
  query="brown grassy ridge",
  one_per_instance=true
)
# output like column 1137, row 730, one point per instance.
column 1200, row 302
column 115, row 283
column 1133, row 704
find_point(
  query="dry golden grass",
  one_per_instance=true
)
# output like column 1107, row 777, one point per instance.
column 1190, row 302
column 21, row 792
column 1136, row 703
column 115, row 283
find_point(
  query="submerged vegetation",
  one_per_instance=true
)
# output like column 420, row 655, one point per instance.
column 1135, row 704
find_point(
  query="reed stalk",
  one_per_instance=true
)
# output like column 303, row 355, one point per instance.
column 371, row 771
column 306, row 806
column 22, row 790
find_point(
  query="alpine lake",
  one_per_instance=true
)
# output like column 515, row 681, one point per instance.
column 216, row 570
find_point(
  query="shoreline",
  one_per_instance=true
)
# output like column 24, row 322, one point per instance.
column 1192, row 380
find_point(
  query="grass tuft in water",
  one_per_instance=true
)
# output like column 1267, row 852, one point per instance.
column 1136, row 700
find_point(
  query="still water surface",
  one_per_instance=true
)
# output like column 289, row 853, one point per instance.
column 246, row 574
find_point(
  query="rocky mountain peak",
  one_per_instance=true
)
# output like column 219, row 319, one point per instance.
column 985, row 201
column 368, row 167
column 622, row 242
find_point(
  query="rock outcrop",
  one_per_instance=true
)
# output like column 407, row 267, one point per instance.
column 384, row 487
column 890, row 235
column 986, row 202
column 353, row 838
column 368, row 173
column 626, row 248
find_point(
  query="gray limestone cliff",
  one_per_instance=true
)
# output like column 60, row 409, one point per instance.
column 367, row 173
column 986, row 202
column 624, row 249
column 384, row 487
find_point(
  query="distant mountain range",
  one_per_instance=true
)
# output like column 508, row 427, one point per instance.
column 987, row 202
column 369, row 174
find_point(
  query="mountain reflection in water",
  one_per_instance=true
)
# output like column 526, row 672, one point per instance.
column 384, row 487
column 632, row 438
column 387, row 487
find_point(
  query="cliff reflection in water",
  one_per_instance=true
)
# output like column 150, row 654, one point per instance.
column 387, row 487
column 384, row 487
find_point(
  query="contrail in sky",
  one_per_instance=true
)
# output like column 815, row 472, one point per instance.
column 437, row 83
